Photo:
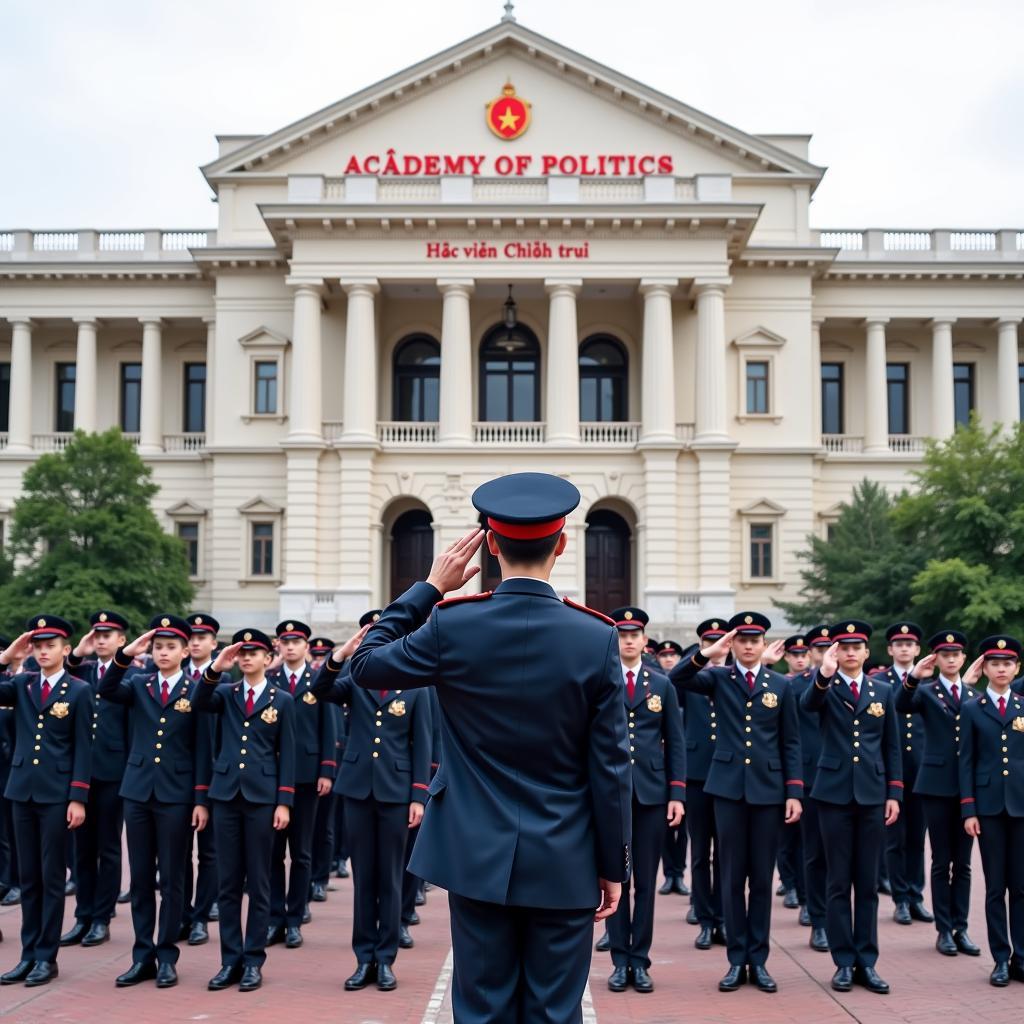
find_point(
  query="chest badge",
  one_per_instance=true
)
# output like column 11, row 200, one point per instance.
column 397, row 707
column 876, row 709
column 654, row 702
column 60, row 709
column 269, row 715
column 182, row 704
column 308, row 698
column 1018, row 724
column 769, row 700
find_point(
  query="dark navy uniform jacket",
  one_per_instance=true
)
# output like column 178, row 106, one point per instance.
column 109, row 725
column 991, row 762
column 937, row 774
column 911, row 730
column 387, row 753
column 256, row 754
column 532, row 802
column 52, row 759
column 757, row 750
column 656, row 746
column 699, row 722
column 316, row 728
column 860, row 747
column 810, row 728
column 169, row 755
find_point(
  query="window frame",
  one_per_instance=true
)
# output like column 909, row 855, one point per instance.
column 123, row 382
column 840, row 381
column 489, row 339
column 764, row 544
column 5, row 396
column 972, row 383
column 58, row 367
column 905, row 383
column 195, row 568
column 414, row 372
column 619, row 375
column 186, row 390
column 274, row 413
column 270, row 572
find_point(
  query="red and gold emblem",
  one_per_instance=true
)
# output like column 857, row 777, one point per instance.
column 508, row 116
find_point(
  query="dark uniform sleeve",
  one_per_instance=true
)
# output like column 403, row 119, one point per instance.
column 693, row 675
column 208, row 696
column 286, row 754
column 328, row 741
column 81, row 765
column 792, row 755
column 965, row 766
column 891, row 753
column 421, row 747
column 206, row 726
column 333, row 682
column 675, row 746
column 113, row 686
column 907, row 700
column 8, row 690
column 813, row 698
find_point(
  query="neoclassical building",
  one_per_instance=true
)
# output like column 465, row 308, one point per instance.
column 506, row 257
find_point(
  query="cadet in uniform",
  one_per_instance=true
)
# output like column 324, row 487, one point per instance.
column 755, row 780
column 252, row 797
column 315, row 767
column 938, row 704
column 48, row 784
column 658, row 758
column 991, row 767
column 8, row 847
column 791, row 847
column 673, row 857
column 858, row 787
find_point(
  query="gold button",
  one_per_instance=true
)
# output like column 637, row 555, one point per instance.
column 1005, row 772
column 632, row 714
column 1004, row 748
column 35, row 760
column 376, row 739
column 241, row 764
column 163, row 721
column 909, row 749
column 95, row 714
column 159, row 732
column 632, row 749
column 856, row 733
column 379, row 713
column 378, row 724
column 856, row 721
column 156, row 760
column 244, row 737
column 746, row 718
column 245, row 725
column 631, row 761
column 910, row 735
column 856, row 760
column 750, row 704
column 1006, row 760
column 746, row 760
column 746, row 728
column 631, row 736
column 376, row 754
column 38, row 737
column 957, row 719
column 713, row 736
column 908, row 717
column 957, row 728
column 38, row 747
column 1004, row 735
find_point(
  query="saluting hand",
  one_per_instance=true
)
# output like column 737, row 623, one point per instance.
column 86, row 645
column 342, row 652
column 138, row 646
column 720, row 647
column 451, row 569
column 17, row 650
column 830, row 661
column 925, row 667
column 227, row 658
column 773, row 652
column 973, row 674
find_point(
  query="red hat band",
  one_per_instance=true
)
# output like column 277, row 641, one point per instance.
column 526, row 531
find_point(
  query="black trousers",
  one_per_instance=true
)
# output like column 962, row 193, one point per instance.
column 518, row 965
column 378, row 833
column 8, row 844
column 324, row 838
column 904, row 851
column 288, row 902
column 158, row 836
column 341, row 845
column 748, row 864
column 631, row 929
column 705, row 869
column 1001, row 842
column 815, row 867
column 951, row 862
column 673, row 852
column 245, row 843
column 791, row 861
column 855, row 837
column 98, row 854
column 410, row 883
column 40, row 831
column 200, row 889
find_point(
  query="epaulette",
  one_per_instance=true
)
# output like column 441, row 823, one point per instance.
column 589, row 611
column 459, row 598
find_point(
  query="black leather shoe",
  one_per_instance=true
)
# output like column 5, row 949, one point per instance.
column 919, row 912
column 42, row 973
column 842, row 980
column 225, row 978
column 691, row 916
column 901, row 915
column 307, row 914
column 618, row 980
column 342, row 871
column 965, row 945
column 679, row 887
column 760, row 977
column 144, row 971
column 292, row 938
column 791, row 901
column 884, row 886
column 96, row 935
column 74, row 935
column 945, row 945
column 386, row 980
column 1000, row 976
column 414, row 919
column 364, row 974
column 805, row 917
column 642, row 981
column 420, row 899
column 665, row 889
column 718, row 937
column 252, row 978
column 70, row 889
column 125, row 896
column 13, row 897
column 166, row 976
column 819, row 940
column 1017, row 970
column 214, row 912
column 318, row 893
column 198, row 934
column 18, row 973
column 183, row 932
column 275, row 934
column 734, row 977
column 703, row 940
column 867, row 977
column 603, row 944
column 781, row 890
column 405, row 940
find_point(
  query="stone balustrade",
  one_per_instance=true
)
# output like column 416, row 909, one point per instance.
column 894, row 244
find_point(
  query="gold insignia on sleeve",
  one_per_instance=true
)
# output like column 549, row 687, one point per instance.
column 654, row 702
column 769, row 700
column 182, row 704
column 269, row 715
column 876, row 708
column 397, row 708
column 1018, row 724
column 60, row 709
column 308, row 698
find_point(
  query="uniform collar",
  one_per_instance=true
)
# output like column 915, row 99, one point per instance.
column 994, row 697
column 526, row 585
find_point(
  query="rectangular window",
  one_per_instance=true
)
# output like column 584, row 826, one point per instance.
column 194, row 421
column 265, row 399
column 897, row 377
column 832, row 398
column 188, row 534
column 830, row 532
column 963, row 392
column 1020, row 393
column 64, row 420
column 757, row 388
column 760, row 550
column 131, row 397
column 262, row 549
column 5, row 397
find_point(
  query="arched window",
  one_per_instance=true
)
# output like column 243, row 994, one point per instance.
column 604, row 371
column 509, row 375
column 417, row 374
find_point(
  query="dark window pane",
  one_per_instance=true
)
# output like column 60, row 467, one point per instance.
column 757, row 387
column 1020, row 392
column 496, row 397
column 266, row 389
column 417, row 370
column 509, row 375
column 131, row 397
column 195, row 398
column 603, row 377
column 832, row 398
column 523, row 409
column 963, row 392
column 262, row 549
column 65, row 410
column 898, row 397
column 760, row 549
column 5, row 397
column 188, row 533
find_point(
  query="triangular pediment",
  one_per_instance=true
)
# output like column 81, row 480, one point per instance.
column 759, row 337
column 264, row 337
column 764, row 507
column 259, row 506
column 186, row 510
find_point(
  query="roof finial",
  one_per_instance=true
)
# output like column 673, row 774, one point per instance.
column 508, row 15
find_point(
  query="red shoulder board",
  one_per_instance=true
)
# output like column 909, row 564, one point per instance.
column 589, row 611
column 459, row 599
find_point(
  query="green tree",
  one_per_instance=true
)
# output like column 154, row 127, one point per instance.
column 83, row 535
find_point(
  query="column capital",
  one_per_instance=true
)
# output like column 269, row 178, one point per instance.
column 1008, row 321
column 210, row 321
column 563, row 285
column 657, row 285
column 942, row 321
column 709, row 285
column 151, row 321
column 21, row 321
column 456, row 285
column 359, row 285
column 818, row 321
column 301, row 283
column 875, row 321
column 86, row 321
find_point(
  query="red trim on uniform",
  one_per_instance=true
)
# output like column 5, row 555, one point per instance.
column 286, row 789
column 53, row 630
column 201, row 789
column 847, row 637
column 632, row 623
column 434, row 764
column 81, row 785
column 202, row 629
column 330, row 764
column 161, row 630
column 590, row 611
column 293, row 635
column 794, row 782
column 464, row 597
column 683, row 784
column 526, row 531
column 968, row 800
column 420, row 785
column 1004, row 652
column 949, row 647
column 898, row 785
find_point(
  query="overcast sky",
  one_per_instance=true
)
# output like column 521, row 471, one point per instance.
column 108, row 107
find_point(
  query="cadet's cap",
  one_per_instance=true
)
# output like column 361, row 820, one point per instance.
column 252, row 639
column 651, row 645
column 796, row 644
column 321, row 645
column 820, row 635
column 948, row 640
column 47, row 627
column 669, row 646
column 108, row 622
column 712, row 629
column 750, row 623
column 1000, row 646
column 292, row 629
column 629, row 619
column 172, row 626
column 200, row 622
column 371, row 616
column 851, row 631
column 904, row 631
column 526, row 506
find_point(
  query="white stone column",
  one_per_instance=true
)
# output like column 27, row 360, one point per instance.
column 211, row 375
column 360, row 385
column 816, row 325
column 711, row 393
column 657, row 380
column 19, row 429
column 562, row 412
column 876, row 409
column 659, row 554
column 85, row 374
column 455, row 424
column 305, row 401
column 151, row 413
column 1008, row 411
column 715, row 526
column 943, row 416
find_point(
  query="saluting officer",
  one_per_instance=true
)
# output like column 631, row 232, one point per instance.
column 48, row 784
column 253, row 788
column 858, row 788
column 658, row 758
column 939, row 703
column 315, row 767
column 755, row 781
column 791, row 847
column 991, row 768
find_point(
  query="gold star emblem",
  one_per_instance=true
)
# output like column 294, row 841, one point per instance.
column 508, row 119
column 628, row 616
column 824, row 632
column 375, row 616
column 41, row 624
column 714, row 625
column 949, row 638
column 199, row 620
column 748, row 619
column 851, row 628
column 799, row 641
column 247, row 636
column 165, row 622
column 1001, row 644
column 103, row 616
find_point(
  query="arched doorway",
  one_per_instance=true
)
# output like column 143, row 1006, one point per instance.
column 608, row 561
column 412, row 550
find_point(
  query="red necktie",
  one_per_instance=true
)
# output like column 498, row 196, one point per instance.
column 1002, row 707
column 46, row 690
column 630, row 685
column 292, row 681
column 164, row 692
column 904, row 677
column 102, row 671
column 195, row 673
column 854, row 689
column 955, row 690
column 250, row 703
column 750, row 681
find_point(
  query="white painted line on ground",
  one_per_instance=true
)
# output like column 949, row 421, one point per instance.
column 433, row 1011
column 589, row 1016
